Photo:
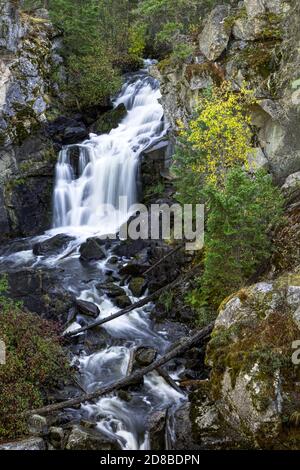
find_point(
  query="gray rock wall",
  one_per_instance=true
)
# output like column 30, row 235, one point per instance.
column 29, row 98
column 257, row 42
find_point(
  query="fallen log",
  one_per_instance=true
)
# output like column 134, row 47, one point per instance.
column 134, row 377
column 164, row 374
column 138, row 304
column 130, row 362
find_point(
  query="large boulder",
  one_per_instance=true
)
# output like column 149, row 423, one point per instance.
column 41, row 292
column 37, row 425
column 110, row 289
column 74, row 134
column 291, row 186
column 137, row 286
column 122, row 301
column 256, row 8
column 215, row 35
column 88, row 439
column 67, row 130
column 260, row 19
column 253, row 384
column 92, row 250
column 52, row 246
column 87, row 308
column 145, row 356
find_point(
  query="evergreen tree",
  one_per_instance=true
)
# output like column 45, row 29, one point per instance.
column 237, row 241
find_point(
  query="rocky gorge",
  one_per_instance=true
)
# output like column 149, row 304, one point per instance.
column 239, row 390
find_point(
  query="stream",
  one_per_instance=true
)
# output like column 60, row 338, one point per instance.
column 86, row 204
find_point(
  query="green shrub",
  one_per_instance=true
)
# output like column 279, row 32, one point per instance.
column 97, row 45
column 237, row 241
column 35, row 363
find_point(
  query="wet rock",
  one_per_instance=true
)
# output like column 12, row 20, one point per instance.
column 111, row 290
column 37, row 425
column 130, row 248
column 92, row 250
column 122, row 301
column 87, row 308
column 137, row 286
column 124, row 395
column 83, row 439
column 94, row 340
column 171, row 330
column 145, row 356
column 215, row 36
column 88, row 424
column 33, row 443
column 28, row 202
column 157, row 430
column 109, row 120
column 153, row 163
column 67, row 130
column 133, row 269
column 41, row 292
column 183, row 438
column 74, row 134
column 56, row 437
column 52, row 246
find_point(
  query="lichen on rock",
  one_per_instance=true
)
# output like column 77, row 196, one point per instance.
column 253, row 382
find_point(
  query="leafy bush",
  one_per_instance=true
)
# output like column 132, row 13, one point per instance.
column 35, row 362
column 237, row 241
column 216, row 139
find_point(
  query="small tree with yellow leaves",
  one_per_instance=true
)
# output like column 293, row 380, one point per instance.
column 217, row 139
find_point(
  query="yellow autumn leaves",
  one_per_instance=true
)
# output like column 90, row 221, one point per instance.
column 220, row 132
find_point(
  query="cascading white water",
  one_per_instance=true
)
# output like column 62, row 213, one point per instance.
column 107, row 166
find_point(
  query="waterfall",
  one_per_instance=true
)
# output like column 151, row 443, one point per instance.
column 107, row 165
column 90, row 178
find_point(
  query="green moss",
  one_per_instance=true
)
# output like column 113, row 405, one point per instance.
column 266, row 342
column 259, row 58
column 273, row 28
column 231, row 19
column 13, row 183
column 164, row 64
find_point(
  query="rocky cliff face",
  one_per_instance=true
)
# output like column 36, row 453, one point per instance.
column 256, row 41
column 29, row 98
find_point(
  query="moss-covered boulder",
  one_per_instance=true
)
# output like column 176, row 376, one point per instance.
column 109, row 120
column 137, row 286
column 253, row 385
